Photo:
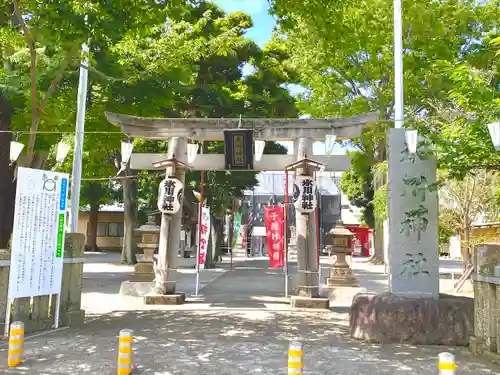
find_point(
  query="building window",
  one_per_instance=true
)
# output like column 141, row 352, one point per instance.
column 110, row 230
column 102, row 229
column 115, row 230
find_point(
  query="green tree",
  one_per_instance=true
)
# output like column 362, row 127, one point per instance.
column 470, row 198
column 214, row 87
column 40, row 52
column 357, row 184
column 343, row 56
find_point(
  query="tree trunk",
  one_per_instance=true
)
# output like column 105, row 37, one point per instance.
column 130, row 218
column 466, row 247
column 214, row 245
column 378, row 242
column 7, row 187
column 91, row 244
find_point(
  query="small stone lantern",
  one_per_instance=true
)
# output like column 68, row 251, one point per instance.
column 150, row 238
column 341, row 273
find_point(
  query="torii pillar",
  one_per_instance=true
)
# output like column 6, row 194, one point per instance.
column 307, row 288
column 164, row 291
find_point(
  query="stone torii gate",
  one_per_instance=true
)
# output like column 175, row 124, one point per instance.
column 301, row 131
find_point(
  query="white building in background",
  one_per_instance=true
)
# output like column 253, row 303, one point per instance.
column 270, row 189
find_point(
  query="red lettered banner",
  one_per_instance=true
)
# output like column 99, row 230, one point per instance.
column 273, row 218
column 204, row 235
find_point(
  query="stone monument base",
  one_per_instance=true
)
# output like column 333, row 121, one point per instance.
column 479, row 348
column 299, row 302
column 165, row 299
column 341, row 293
column 136, row 288
column 389, row 318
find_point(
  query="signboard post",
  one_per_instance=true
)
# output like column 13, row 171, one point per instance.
column 36, row 262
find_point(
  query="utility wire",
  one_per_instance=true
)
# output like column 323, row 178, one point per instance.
column 58, row 132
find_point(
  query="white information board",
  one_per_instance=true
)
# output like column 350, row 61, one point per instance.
column 36, row 263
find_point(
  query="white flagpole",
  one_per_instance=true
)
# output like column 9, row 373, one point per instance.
column 76, row 175
column 398, row 65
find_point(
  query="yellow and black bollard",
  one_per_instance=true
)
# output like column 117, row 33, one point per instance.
column 16, row 344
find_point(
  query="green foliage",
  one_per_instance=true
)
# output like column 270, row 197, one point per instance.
column 188, row 66
column 343, row 54
column 357, row 184
column 456, row 124
column 448, row 224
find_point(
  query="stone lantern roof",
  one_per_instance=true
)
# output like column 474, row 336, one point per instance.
column 340, row 231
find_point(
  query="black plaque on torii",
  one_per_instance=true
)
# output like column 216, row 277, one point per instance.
column 238, row 149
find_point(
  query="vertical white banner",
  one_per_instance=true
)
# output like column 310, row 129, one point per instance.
column 38, row 237
column 204, row 236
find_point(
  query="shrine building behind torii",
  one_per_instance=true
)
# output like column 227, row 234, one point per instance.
column 303, row 132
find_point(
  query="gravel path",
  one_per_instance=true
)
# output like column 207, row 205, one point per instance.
column 240, row 325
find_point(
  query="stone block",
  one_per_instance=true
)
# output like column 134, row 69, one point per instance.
column 386, row 318
column 412, row 200
column 298, row 302
column 476, row 346
column 4, row 281
column 142, row 277
column 144, row 267
column 341, row 293
column 135, row 288
column 167, row 299
column 72, row 282
column 74, row 245
column 74, row 318
column 346, row 280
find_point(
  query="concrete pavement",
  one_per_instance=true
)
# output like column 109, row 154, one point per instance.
column 239, row 325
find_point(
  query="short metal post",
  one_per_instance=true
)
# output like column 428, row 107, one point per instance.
column 295, row 358
column 16, row 344
column 446, row 364
column 125, row 362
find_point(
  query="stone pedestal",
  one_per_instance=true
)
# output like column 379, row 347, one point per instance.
column 150, row 236
column 70, row 311
column 298, row 302
column 386, row 318
column 340, row 273
column 165, row 299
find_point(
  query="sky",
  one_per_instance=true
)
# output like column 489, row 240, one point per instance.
column 260, row 33
column 259, row 11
